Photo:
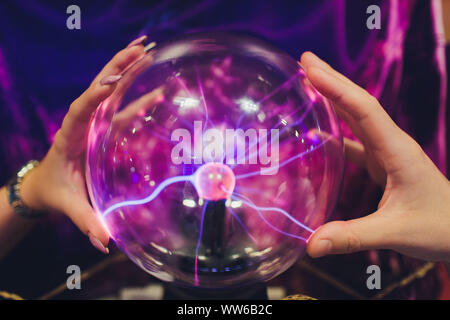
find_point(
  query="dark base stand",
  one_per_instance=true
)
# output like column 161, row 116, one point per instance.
column 252, row 292
column 215, row 250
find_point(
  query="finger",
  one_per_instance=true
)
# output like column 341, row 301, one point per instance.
column 309, row 59
column 120, row 61
column 349, row 121
column 82, row 107
column 139, row 106
column 83, row 216
column 357, row 153
column 376, row 127
column 132, row 72
column 354, row 151
column 338, row 237
column 77, row 119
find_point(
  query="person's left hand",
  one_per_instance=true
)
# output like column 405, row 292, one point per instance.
column 58, row 183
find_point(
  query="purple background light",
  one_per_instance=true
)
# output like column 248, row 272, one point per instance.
column 403, row 64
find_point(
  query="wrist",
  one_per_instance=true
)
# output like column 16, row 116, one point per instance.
column 30, row 191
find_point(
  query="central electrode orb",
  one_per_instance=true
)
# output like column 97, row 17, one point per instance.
column 214, row 181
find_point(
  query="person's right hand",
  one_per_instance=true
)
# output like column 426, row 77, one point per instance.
column 413, row 216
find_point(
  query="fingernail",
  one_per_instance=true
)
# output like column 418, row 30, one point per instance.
column 150, row 46
column 110, row 80
column 137, row 41
column 98, row 245
column 322, row 247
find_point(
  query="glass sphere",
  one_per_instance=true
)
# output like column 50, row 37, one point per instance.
column 214, row 160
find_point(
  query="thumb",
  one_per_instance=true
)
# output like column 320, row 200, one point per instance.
column 84, row 217
column 337, row 237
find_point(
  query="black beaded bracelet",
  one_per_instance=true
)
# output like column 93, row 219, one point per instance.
column 13, row 188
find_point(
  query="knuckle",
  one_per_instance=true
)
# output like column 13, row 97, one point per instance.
column 60, row 141
column 411, row 149
column 368, row 95
column 74, row 108
column 349, row 242
column 353, row 244
column 58, row 136
column 372, row 99
column 415, row 147
column 119, row 55
column 352, row 241
column 73, row 105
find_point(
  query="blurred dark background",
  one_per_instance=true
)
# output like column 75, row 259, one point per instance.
column 44, row 66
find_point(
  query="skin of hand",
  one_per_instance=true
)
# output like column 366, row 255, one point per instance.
column 413, row 216
column 58, row 183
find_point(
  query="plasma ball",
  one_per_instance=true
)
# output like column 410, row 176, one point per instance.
column 215, row 162
column 214, row 181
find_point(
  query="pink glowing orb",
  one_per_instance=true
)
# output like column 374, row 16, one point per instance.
column 213, row 161
column 214, row 181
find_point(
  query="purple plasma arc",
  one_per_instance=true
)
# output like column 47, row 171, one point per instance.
column 214, row 161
